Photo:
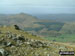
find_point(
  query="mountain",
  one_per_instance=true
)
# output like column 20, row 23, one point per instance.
column 31, row 24
column 57, row 17
column 21, row 19
column 53, row 30
column 16, row 42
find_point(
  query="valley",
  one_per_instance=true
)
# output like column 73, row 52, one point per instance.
column 54, row 30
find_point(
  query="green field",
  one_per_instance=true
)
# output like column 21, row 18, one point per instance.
column 63, row 38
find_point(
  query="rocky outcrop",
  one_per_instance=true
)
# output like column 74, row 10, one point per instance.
column 16, row 27
column 18, row 44
column 3, row 52
column 16, row 41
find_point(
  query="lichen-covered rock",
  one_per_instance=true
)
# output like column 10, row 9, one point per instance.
column 3, row 52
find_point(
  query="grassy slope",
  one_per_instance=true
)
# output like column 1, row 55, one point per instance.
column 13, row 30
column 53, row 49
column 67, row 33
column 63, row 38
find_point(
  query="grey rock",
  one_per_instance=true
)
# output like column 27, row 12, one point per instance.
column 7, row 43
column 16, row 27
column 3, row 52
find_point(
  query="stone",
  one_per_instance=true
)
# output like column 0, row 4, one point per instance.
column 21, row 38
column 8, row 32
column 3, row 52
column 48, row 54
column 7, row 43
column 28, row 43
column 16, row 27
column 9, row 36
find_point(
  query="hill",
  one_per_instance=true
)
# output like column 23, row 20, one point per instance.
column 57, row 17
column 67, row 33
column 16, row 42
column 32, row 24
column 53, row 30
column 21, row 19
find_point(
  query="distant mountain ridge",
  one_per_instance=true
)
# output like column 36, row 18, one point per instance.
column 31, row 24
column 18, row 19
column 58, row 17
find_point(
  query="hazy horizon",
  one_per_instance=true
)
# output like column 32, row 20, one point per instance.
column 37, row 6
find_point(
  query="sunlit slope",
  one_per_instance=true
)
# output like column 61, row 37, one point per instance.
column 68, row 28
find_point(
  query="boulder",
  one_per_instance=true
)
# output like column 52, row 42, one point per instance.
column 3, row 52
column 16, row 27
column 7, row 43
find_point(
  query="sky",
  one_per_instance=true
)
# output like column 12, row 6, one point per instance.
column 37, row 6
